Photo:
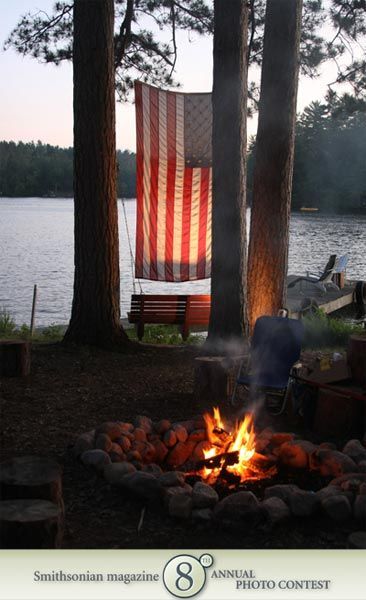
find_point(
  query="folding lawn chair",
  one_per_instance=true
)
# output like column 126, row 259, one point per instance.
column 275, row 348
column 320, row 281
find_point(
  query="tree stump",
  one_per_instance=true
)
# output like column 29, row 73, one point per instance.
column 15, row 358
column 30, row 524
column 31, row 477
column 356, row 355
column 214, row 378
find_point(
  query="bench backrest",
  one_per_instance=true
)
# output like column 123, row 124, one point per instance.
column 158, row 308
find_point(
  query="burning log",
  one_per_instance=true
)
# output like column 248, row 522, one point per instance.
column 215, row 462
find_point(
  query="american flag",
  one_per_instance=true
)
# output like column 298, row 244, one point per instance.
column 174, row 184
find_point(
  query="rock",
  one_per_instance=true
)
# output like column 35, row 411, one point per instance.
column 142, row 422
column 168, row 492
column 140, row 435
column 326, row 492
column 124, row 442
column 189, row 425
column 355, row 450
column 137, row 464
column 202, row 515
column 350, row 485
column 357, row 540
column 328, row 446
column 362, row 490
column 134, row 455
column 303, row 503
column 204, row 496
column 198, row 435
column 116, row 458
column 170, row 438
column 129, row 435
column 282, row 491
column 83, row 442
column 96, row 459
column 115, row 472
column 180, row 432
column 144, row 485
column 266, row 433
column 153, row 468
column 362, row 466
column 162, row 426
column 276, row 510
column 126, row 427
column 116, row 449
column 359, row 509
column 199, row 449
column 179, row 454
column 277, row 439
column 103, row 442
column 337, row 508
column 180, row 506
column 241, row 508
column 172, row 478
column 113, row 430
column 338, row 481
column 260, row 445
column 139, row 447
column 161, row 451
column 296, row 454
column 332, row 463
column 148, row 453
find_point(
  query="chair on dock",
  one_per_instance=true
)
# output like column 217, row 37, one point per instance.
column 324, row 280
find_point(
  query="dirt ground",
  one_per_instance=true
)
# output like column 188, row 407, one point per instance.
column 71, row 390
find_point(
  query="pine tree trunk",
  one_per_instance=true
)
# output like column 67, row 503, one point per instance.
column 95, row 317
column 229, row 101
column 269, row 233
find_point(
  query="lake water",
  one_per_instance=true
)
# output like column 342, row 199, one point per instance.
column 36, row 246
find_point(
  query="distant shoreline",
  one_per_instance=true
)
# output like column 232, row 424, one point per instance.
column 66, row 196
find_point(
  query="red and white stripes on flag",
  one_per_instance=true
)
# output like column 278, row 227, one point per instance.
column 174, row 184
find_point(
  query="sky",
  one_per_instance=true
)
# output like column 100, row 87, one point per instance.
column 36, row 99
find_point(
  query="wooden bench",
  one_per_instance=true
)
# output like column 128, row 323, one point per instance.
column 173, row 310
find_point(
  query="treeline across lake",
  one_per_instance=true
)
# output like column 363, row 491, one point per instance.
column 36, row 169
column 330, row 156
column 329, row 171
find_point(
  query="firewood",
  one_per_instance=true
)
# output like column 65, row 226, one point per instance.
column 223, row 459
column 15, row 358
column 28, row 477
column 356, row 356
column 30, row 524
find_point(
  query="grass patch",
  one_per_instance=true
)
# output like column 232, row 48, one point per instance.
column 7, row 325
column 165, row 334
column 322, row 331
column 9, row 330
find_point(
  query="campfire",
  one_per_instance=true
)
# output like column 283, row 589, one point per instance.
column 231, row 454
column 208, row 469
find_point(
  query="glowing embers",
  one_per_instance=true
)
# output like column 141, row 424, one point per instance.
column 232, row 456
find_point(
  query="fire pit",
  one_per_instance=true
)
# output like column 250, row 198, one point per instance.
column 213, row 471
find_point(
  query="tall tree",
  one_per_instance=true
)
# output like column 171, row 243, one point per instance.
column 269, row 231
column 95, row 316
column 229, row 101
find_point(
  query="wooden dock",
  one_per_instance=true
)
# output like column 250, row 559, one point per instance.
column 329, row 302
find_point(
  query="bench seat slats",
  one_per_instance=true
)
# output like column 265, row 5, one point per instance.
column 184, row 310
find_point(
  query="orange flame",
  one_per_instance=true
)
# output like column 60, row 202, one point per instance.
column 241, row 440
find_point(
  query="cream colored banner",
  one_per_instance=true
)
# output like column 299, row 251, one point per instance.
column 160, row 574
